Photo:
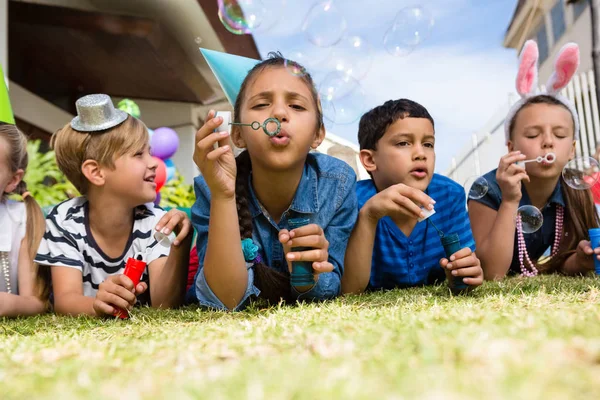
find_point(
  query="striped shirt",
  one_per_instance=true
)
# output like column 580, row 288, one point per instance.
column 401, row 261
column 68, row 242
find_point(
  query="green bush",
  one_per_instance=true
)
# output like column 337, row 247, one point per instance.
column 46, row 183
column 177, row 194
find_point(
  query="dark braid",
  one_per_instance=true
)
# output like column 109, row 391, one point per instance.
column 274, row 285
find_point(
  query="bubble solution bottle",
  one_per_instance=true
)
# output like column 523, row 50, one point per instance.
column 134, row 269
column 302, row 271
column 595, row 242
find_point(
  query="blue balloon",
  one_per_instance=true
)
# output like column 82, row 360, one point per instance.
column 170, row 169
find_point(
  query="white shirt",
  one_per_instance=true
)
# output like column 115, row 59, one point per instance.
column 13, row 222
column 68, row 242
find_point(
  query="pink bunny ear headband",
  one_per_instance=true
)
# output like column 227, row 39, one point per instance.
column 565, row 67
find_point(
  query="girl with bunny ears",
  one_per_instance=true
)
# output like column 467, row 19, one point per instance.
column 540, row 123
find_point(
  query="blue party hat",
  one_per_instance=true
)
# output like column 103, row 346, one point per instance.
column 230, row 70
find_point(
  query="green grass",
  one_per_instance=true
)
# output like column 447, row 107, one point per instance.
column 519, row 339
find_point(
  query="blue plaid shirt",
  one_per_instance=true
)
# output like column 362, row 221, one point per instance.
column 401, row 261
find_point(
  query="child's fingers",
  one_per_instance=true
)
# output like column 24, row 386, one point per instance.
column 468, row 271
column 162, row 222
column 444, row 262
column 416, row 196
column 140, row 288
column 122, row 292
column 468, row 261
column 308, row 255
column 211, row 123
column 206, row 145
column 284, row 236
column 218, row 152
column 462, row 253
column 406, row 206
column 475, row 281
column 310, row 229
column 101, row 308
column 185, row 229
column 509, row 159
column 124, row 282
column 322, row 266
column 314, row 241
column 113, row 299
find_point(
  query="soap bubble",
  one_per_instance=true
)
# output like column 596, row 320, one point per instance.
column 530, row 217
column 241, row 16
column 198, row 40
column 581, row 173
column 476, row 187
column 294, row 68
column 309, row 57
column 324, row 25
column 270, row 14
column 411, row 27
column 393, row 46
column 352, row 57
column 343, row 94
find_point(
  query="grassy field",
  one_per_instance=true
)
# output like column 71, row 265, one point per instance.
column 519, row 339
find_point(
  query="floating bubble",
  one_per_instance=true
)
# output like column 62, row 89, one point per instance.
column 198, row 40
column 530, row 218
column 343, row 94
column 581, row 173
column 309, row 57
column 271, row 13
column 476, row 187
column 294, row 68
column 392, row 46
column 324, row 25
column 411, row 27
column 352, row 57
column 241, row 16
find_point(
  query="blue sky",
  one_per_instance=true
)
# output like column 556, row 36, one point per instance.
column 461, row 73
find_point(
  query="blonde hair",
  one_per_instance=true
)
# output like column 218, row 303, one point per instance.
column 35, row 224
column 73, row 148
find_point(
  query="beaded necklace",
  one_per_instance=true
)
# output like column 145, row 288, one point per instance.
column 5, row 266
column 530, row 269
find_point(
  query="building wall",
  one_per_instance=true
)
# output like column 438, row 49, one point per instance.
column 4, row 35
column 577, row 30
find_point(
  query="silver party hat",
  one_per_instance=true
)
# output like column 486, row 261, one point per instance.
column 96, row 112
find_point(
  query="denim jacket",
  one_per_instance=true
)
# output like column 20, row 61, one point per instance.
column 325, row 194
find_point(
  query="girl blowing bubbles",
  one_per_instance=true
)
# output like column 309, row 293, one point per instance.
column 537, row 125
column 244, row 204
column 22, row 291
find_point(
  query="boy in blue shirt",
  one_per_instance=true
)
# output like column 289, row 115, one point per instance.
column 389, row 247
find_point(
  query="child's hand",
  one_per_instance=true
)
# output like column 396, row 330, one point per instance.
column 217, row 165
column 117, row 291
column 509, row 176
column 175, row 221
column 397, row 201
column 584, row 254
column 312, row 236
column 465, row 264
